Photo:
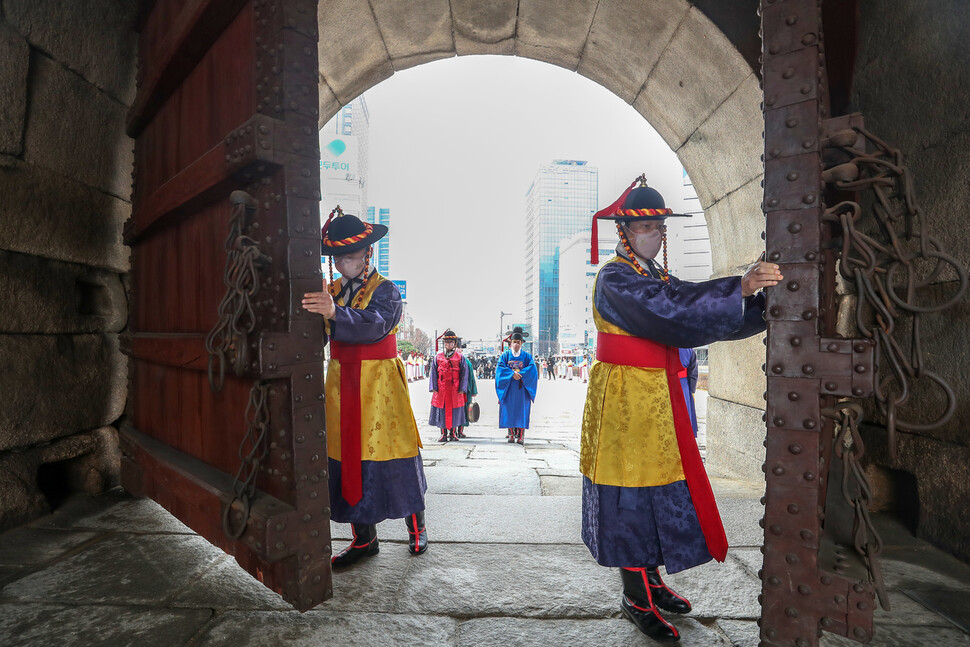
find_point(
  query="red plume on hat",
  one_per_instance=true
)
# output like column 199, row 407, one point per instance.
column 594, row 252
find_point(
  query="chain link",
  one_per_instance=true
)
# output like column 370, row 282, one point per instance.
column 885, row 266
column 252, row 452
column 228, row 340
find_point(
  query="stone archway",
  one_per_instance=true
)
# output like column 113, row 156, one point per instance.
column 669, row 61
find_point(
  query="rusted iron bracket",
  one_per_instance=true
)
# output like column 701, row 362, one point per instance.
column 810, row 582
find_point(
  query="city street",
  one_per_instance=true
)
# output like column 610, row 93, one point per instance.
column 506, row 565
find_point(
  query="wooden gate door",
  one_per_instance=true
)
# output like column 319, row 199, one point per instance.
column 225, row 241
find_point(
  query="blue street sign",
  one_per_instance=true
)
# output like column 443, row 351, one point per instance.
column 403, row 287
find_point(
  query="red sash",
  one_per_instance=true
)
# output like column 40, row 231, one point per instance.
column 350, row 357
column 636, row 351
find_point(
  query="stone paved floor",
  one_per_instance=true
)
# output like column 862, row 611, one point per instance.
column 506, row 566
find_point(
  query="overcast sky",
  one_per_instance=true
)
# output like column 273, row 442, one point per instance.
column 454, row 146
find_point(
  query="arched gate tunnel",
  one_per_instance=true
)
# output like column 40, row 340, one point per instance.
column 691, row 68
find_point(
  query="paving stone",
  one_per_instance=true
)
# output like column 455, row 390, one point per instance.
column 484, row 518
column 719, row 590
column 489, row 580
column 10, row 573
column 118, row 511
column 443, row 479
column 37, row 625
column 917, row 568
column 899, row 636
column 740, row 518
column 323, row 627
column 907, row 611
column 27, row 546
column 373, row 584
column 122, row 569
column 741, row 633
column 501, row 632
column 228, row 586
column 750, row 558
column 555, row 485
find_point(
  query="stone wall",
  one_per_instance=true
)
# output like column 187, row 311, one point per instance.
column 911, row 83
column 67, row 77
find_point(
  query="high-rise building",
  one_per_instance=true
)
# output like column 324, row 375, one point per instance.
column 344, row 146
column 688, row 240
column 577, row 275
column 560, row 202
column 382, row 250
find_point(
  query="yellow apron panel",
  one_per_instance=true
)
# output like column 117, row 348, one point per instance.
column 388, row 428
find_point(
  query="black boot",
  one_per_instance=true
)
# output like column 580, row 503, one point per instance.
column 461, row 432
column 444, row 436
column 365, row 544
column 454, row 435
column 520, row 436
column 663, row 596
column 638, row 606
column 417, row 533
column 511, row 435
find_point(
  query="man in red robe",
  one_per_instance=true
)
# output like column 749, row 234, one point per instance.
column 449, row 384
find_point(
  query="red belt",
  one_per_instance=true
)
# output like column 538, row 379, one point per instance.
column 350, row 357
column 626, row 350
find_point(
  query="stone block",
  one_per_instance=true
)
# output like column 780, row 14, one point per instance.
column 736, row 373
column 735, row 434
column 77, row 130
column 54, row 386
column 329, row 105
column 732, row 136
column 735, row 223
column 96, row 38
column 626, row 41
column 554, row 31
column 47, row 215
column 88, row 462
column 47, row 297
column 415, row 32
column 14, row 66
column 697, row 71
column 37, row 546
column 484, row 27
column 228, row 586
column 359, row 62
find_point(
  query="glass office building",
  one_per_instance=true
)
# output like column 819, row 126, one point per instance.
column 560, row 203
column 382, row 250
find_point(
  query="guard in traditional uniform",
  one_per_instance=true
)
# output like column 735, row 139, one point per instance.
column 449, row 384
column 375, row 469
column 647, row 501
column 516, row 379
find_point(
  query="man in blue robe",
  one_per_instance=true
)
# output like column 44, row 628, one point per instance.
column 647, row 500
column 516, row 378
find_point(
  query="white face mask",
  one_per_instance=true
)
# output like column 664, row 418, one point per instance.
column 646, row 245
column 349, row 266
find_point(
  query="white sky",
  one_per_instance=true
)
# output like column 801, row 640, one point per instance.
column 454, row 146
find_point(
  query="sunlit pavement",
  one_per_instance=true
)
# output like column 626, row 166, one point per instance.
column 506, row 565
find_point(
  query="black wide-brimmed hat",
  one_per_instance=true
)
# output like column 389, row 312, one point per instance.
column 638, row 202
column 518, row 334
column 449, row 335
column 344, row 233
